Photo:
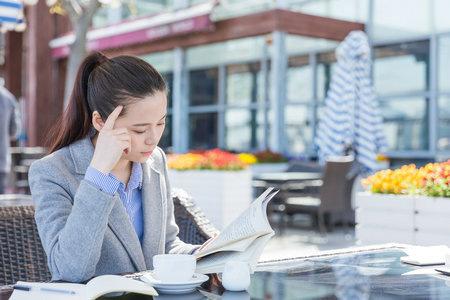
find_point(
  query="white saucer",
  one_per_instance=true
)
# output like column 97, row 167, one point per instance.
column 174, row 288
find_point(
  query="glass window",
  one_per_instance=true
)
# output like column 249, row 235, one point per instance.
column 203, row 87
column 161, row 61
column 401, row 18
column 440, row 14
column 166, row 140
column 131, row 8
column 350, row 10
column 401, row 68
column 299, row 79
column 101, row 17
column 296, row 44
column 203, row 131
column 444, row 124
column 325, row 66
column 297, row 128
column 244, row 84
column 246, row 49
column 444, row 64
column 193, row 2
column 168, row 78
column 406, row 123
column 244, row 129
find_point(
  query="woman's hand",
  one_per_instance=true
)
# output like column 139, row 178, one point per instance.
column 111, row 143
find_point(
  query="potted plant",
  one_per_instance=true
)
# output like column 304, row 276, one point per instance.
column 407, row 205
column 218, row 181
column 265, row 161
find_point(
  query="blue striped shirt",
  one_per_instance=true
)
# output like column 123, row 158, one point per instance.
column 131, row 195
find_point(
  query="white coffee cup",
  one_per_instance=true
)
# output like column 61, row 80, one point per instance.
column 236, row 276
column 174, row 268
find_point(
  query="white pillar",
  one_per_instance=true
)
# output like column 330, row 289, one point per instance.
column 278, row 91
column 180, row 128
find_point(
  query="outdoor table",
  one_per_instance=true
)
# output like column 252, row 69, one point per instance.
column 279, row 180
column 283, row 177
column 374, row 272
column 283, row 181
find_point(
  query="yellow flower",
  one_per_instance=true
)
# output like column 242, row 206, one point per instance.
column 248, row 158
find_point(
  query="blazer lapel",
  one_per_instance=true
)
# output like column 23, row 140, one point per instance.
column 120, row 224
column 153, row 213
column 119, row 221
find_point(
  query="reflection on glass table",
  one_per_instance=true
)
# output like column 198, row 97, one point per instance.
column 374, row 273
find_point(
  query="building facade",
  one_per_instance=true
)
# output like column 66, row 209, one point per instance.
column 251, row 75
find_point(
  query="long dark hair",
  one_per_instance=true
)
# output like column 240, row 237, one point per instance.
column 101, row 85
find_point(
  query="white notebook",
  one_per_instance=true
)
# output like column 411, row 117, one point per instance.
column 425, row 256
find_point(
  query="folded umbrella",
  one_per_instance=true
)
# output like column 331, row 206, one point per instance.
column 351, row 118
column 11, row 14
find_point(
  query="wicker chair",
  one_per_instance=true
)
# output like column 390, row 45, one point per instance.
column 195, row 228
column 23, row 258
column 21, row 254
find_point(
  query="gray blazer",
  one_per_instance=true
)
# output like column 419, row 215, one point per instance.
column 86, row 232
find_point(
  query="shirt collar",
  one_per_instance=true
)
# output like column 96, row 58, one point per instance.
column 136, row 176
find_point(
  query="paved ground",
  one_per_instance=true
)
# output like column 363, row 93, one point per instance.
column 300, row 240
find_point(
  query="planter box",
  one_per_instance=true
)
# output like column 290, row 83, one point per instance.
column 222, row 195
column 416, row 220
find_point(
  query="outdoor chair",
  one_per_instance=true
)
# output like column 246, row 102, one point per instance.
column 22, row 158
column 195, row 228
column 333, row 199
column 23, row 258
column 307, row 187
column 21, row 254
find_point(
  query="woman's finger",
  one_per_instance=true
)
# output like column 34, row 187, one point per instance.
column 111, row 120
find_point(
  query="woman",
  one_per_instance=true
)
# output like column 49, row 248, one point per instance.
column 102, row 196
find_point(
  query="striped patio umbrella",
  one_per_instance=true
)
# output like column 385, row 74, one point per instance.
column 351, row 116
column 11, row 15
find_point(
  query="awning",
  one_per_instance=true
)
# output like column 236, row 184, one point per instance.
column 11, row 15
column 140, row 30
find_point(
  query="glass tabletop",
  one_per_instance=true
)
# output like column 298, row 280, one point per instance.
column 374, row 274
column 352, row 273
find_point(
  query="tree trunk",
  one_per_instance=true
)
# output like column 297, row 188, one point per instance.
column 77, row 53
column 81, row 19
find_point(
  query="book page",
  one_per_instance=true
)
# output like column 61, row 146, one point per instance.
column 49, row 291
column 251, row 223
column 215, row 262
column 96, row 287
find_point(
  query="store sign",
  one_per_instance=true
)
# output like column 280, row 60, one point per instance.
column 151, row 34
column 132, row 32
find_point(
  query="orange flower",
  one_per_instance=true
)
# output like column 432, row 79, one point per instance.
column 215, row 159
column 432, row 180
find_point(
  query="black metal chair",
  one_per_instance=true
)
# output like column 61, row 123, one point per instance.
column 333, row 199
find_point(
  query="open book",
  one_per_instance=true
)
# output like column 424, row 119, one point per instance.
column 95, row 288
column 243, row 240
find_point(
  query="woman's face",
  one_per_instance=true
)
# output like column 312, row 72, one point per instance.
column 145, row 121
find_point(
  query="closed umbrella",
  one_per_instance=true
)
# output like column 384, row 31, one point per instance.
column 351, row 117
column 11, row 15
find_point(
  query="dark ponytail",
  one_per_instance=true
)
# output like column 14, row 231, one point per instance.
column 101, row 85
